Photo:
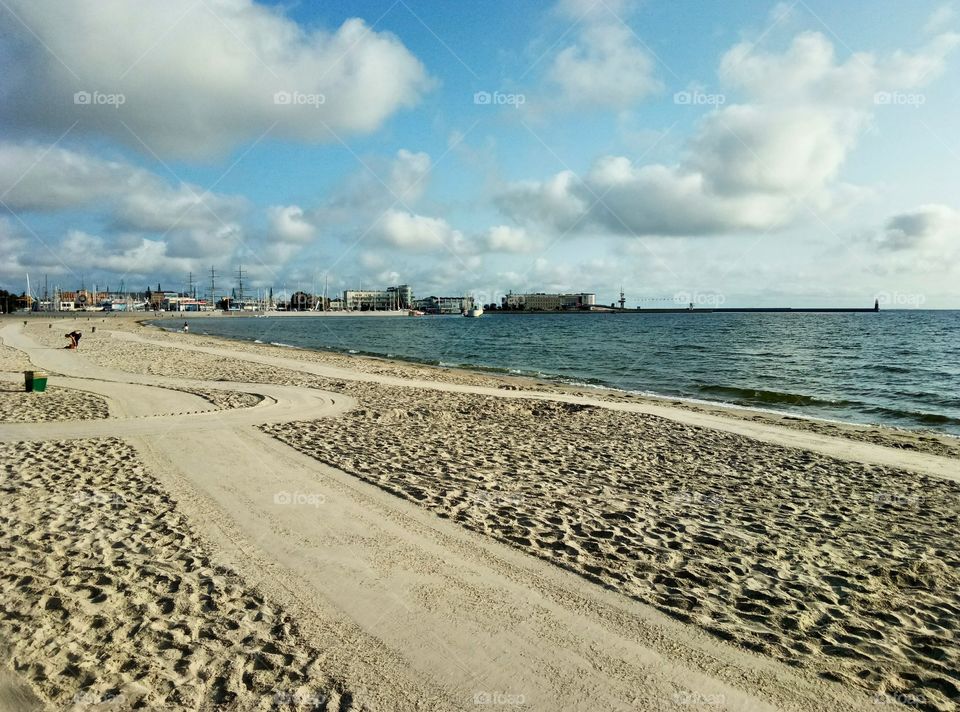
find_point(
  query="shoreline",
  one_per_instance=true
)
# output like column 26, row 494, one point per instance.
column 920, row 440
column 559, row 384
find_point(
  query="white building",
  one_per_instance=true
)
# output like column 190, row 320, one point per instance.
column 541, row 301
column 444, row 305
column 389, row 299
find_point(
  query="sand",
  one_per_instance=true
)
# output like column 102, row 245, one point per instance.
column 449, row 540
column 850, row 571
column 109, row 600
column 18, row 406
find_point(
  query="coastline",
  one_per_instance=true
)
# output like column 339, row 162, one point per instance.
column 468, row 504
column 919, row 439
column 922, row 438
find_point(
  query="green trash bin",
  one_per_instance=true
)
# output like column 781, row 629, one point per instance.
column 35, row 381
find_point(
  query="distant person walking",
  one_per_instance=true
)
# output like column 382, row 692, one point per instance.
column 186, row 327
column 74, row 337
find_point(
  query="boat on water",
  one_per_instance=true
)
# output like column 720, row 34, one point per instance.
column 474, row 312
column 415, row 312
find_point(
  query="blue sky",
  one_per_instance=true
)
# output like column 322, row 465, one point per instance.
column 791, row 153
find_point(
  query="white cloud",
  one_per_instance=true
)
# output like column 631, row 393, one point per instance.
column 928, row 228
column 378, row 185
column 606, row 67
column 506, row 238
column 753, row 166
column 416, row 232
column 941, row 18
column 48, row 179
column 79, row 252
column 199, row 78
column 289, row 224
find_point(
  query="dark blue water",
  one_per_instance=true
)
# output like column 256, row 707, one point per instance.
column 898, row 368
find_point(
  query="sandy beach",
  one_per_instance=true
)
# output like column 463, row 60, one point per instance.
column 193, row 523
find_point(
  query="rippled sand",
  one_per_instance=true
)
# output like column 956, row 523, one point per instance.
column 850, row 570
column 109, row 601
column 54, row 404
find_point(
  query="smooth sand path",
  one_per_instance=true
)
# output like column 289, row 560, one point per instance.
column 426, row 614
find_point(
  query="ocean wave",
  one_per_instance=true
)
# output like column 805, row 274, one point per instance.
column 914, row 416
column 757, row 395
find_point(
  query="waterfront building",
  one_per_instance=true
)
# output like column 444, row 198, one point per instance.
column 389, row 299
column 540, row 301
column 443, row 305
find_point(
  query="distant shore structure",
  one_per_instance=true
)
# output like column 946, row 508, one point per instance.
column 542, row 301
column 393, row 299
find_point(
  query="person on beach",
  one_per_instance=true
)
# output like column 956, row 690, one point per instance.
column 74, row 337
column 186, row 327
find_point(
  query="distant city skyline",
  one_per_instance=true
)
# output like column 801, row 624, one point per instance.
column 750, row 153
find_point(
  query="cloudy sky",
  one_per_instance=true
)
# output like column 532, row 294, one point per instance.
column 793, row 153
